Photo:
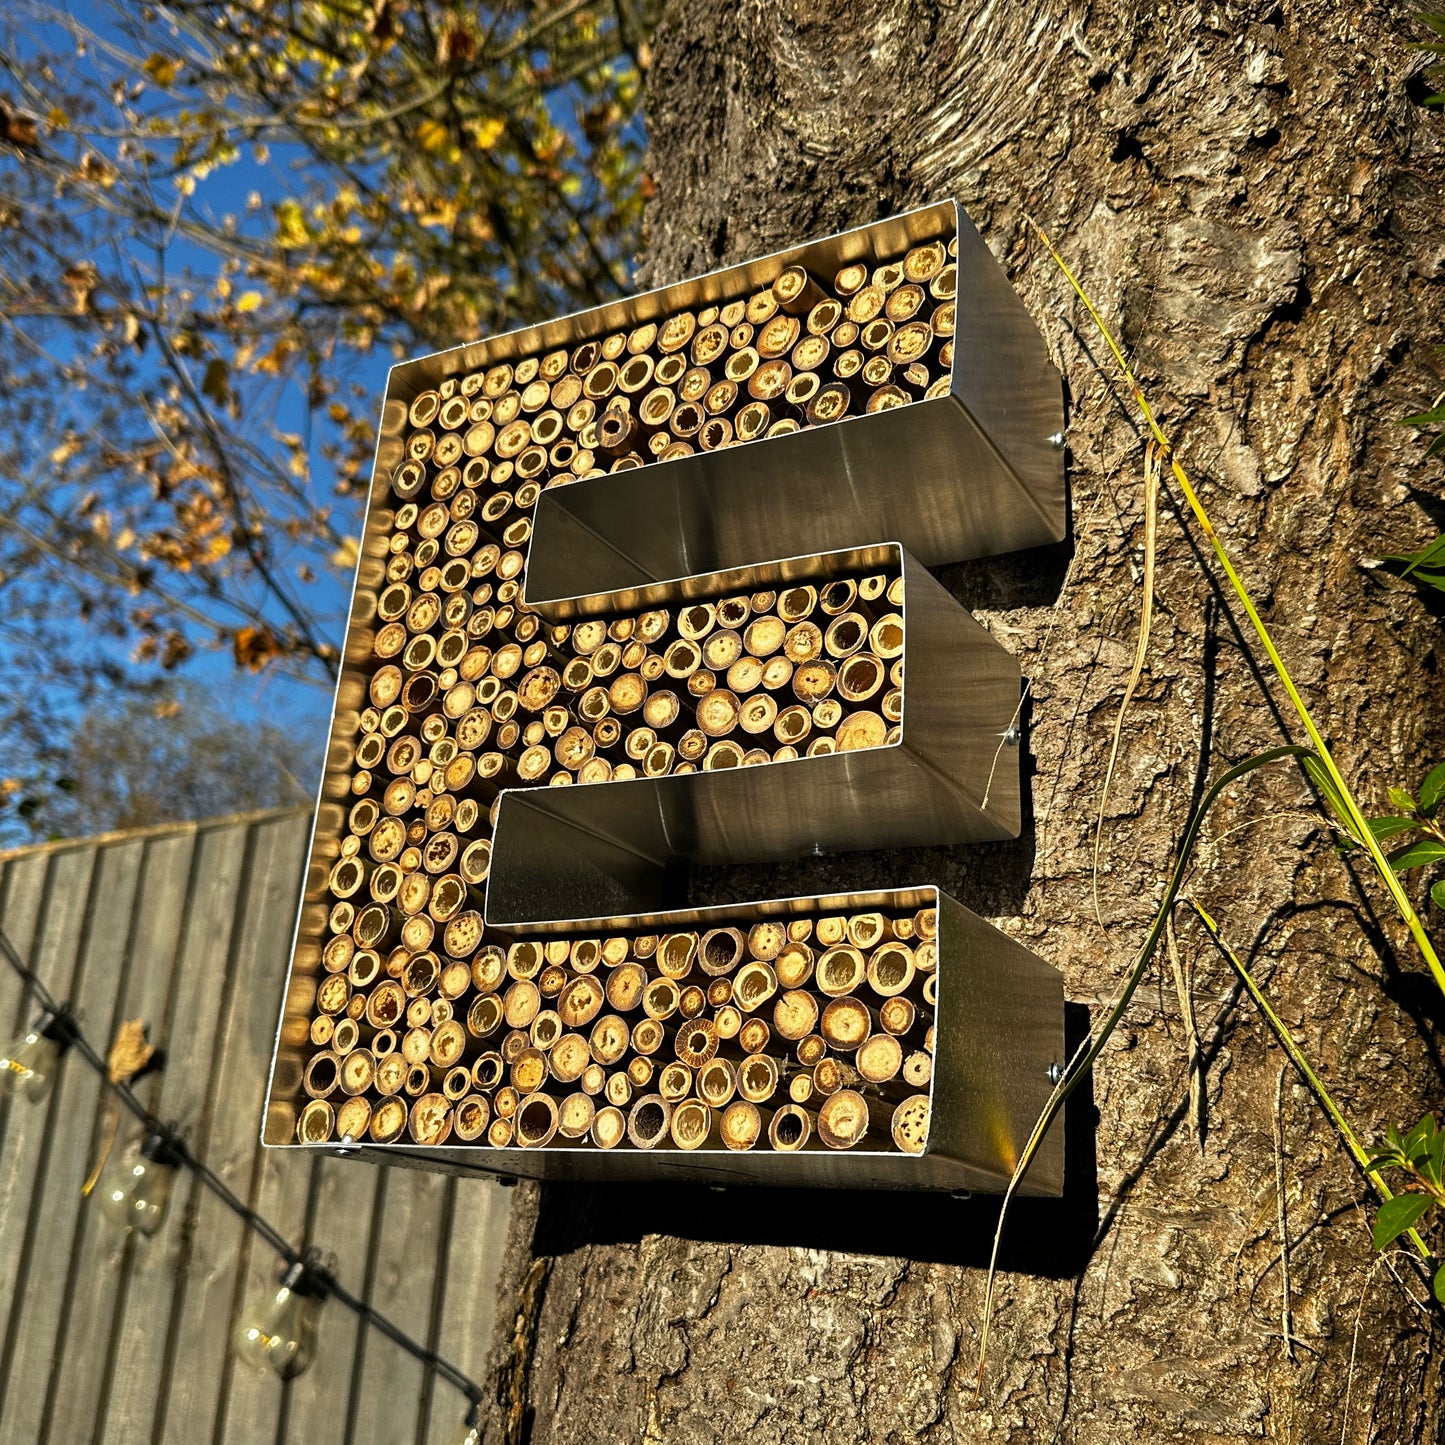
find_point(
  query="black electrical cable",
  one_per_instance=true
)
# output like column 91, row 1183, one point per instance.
column 257, row 1223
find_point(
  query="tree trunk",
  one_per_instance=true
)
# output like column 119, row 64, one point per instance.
column 1252, row 192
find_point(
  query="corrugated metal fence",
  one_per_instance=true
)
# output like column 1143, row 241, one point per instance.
column 126, row 1341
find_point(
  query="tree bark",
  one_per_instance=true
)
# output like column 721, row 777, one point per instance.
column 1252, row 192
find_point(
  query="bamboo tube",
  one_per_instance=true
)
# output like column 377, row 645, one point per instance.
column 609, row 1039
column 810, row 1050
column 430, row 1121
column 568, row 1058
column 488, row 969
column 353, row 1118
column 499, row 1133
column 448, row 1043
column 660, row 999
column 472, row 1115
column 794, row 965
column 840, row 970
column 609, row 1127
column 716, row 1082
column 880, row 1058
column 796, row 292
column 728, row 1020
column 487, row 1070
column 581, row 1001
column 529, row 1071
column 843, row 1119
column 890, row 969
column 674, row 1082
column 648, row 1121
column 693, row 1125
column 521, row 1003
column 625, row 985
column 535, row 1120
column 575, row 1115
column 918, row 1069
column 594, row 1077
column 754, row 984
column 386, row 1005
column 861, row 730
column 390, row 1075
column 456, row 1082
column 909, row 1125
column 897, row 1015
column 697, row 1042
column 755, row 1035
column 741, row 1125
column 830, row 1075
column 675, row 954
column 795, row 1014
column 647, row 1037
column 757, row 1078
column 846, row 1022
column 790, row 1129
column 322, row 1074
column 388, row 1119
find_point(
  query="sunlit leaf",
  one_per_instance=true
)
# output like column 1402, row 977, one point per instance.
column 1432, row 789
column 1396, row 1216
column 163, row 69
column 1417, row 854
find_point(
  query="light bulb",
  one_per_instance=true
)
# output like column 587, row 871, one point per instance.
column 279, row 1331
column 27, row 1067
column 137, row 1183
column 471, row 1431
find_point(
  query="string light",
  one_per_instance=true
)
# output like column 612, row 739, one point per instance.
column 28, row 1066
column 471, row 1431
column 137, row 1183
column 280, row 1331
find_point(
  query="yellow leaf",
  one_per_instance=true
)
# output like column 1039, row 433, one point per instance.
column 344, row 557
column 163, row 69
column 248, row 301
column 57, row 117
column 431, row 135
column 291, row 225
column 488, row 132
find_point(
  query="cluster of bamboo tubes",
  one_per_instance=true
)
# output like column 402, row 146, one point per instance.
column 427, row 1027
column 714, row 684
column 782, row 1035
column 801, row 352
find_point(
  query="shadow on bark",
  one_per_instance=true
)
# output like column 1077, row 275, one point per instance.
column 1049, row 1237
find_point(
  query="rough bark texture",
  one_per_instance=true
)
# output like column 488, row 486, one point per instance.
column 1253, row 192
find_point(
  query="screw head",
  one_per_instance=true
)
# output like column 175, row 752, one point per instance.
column 1011, row 736
column 1056, row 440
column 1055, row 1073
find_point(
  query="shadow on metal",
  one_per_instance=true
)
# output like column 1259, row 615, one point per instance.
column 1053, row 1238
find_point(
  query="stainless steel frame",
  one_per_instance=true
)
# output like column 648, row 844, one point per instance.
column 975, row 472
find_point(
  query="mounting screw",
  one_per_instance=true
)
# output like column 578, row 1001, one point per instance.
column 342, row 1152
column 960, row 1194
column 1056, row 440
column 1011, row 736
column 1055, row 1073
